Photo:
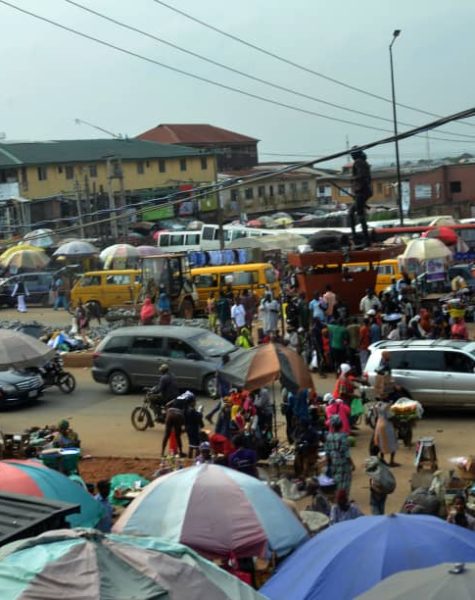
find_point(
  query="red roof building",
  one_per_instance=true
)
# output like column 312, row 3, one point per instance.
column 234, row 150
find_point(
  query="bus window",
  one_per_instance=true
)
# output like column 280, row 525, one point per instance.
column 164, row 240
column 208, row 233
column 192, row 239
column 270, row 276
column 245, row 277
column 177, row 239
column 205, row 281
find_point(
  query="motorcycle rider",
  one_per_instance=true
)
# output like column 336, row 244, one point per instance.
column 167, row 386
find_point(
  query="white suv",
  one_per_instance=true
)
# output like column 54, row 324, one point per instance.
column 434, row 372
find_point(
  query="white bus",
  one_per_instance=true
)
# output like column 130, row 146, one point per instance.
column 179, row 241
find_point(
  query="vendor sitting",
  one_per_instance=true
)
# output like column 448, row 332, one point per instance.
column 65, row 437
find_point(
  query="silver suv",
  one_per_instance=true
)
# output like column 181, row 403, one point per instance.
column 435, row 372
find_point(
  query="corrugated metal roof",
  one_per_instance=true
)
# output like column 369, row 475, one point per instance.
column 194, row 134
column 25, row 516
column 13, row 154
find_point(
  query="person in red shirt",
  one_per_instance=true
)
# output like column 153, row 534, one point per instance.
column 459, row 330
column 337, row 407
column 364, row 343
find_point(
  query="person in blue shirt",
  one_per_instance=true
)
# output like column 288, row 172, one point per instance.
column 318, row 308
column 103, row 489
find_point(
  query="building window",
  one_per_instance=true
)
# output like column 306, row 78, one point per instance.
column 379, row 188
column 271, row 191
column 69, row 172
column 346, row 191
column 92, row 171
column 204, row 163
column 60, row 169
column 42, row 174
column 162, row 165
column 261, row 191
column 455, row 187
column 281, row 189
column 140, row 167
column 182, row 164
column 293, row 187
column 249, row 193
column 304, row 186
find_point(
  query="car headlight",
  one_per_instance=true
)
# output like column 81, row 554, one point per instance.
column 7, row 388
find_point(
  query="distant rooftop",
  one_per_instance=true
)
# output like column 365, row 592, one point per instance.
column 180, row 133
column 14, row 154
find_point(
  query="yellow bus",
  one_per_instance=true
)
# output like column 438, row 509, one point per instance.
column 387, row 270
column 254, row 276
column 107, row 288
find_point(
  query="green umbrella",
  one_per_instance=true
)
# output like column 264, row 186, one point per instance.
column 83, row 563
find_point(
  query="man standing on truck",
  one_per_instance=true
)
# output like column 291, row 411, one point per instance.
column 362, row 191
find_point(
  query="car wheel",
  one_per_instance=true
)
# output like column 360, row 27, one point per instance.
column 119, row 383
column 210, row 386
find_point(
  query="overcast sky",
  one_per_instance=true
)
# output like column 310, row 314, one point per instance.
column 49, row 77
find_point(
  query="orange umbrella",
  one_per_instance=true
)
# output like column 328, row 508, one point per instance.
column 264, row 364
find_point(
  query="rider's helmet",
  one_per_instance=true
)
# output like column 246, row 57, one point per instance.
column 163, row 368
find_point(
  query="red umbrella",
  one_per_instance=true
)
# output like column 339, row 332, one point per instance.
column 444, row 234
column 254, row 223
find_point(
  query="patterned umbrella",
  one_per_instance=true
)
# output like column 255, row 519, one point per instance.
column 83, row 563
column 31, row 478
column 9, row 251
column 216, row 511
column 18, row 350
column 42, row 238
column 119, row 256
column 27, row 260
column 76, row 248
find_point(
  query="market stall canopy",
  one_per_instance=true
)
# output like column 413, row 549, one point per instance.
column 351, row 557
column 266, row 363
column 18, row 351
column 442, row 582
column 32, row 478
column 43, row 238
column 216, row 511
column 26, row 260
column 82, row 563
column 76, row 248
column 423, row 249
column 148, row 251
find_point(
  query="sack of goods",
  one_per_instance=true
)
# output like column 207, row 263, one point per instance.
column 381, row 475
column 405, row 407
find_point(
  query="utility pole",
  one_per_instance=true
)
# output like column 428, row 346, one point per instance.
column 396, row 34
column 79, row 209
column 112, row 214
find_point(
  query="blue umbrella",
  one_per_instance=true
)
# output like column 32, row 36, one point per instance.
column 350, row 558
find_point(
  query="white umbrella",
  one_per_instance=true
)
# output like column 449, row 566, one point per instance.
column 18, row 350
column 76, row 248
column 119, row 253
column 423, row 249
column 42, row 238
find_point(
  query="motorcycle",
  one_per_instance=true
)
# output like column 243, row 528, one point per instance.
column 53, row 373
column 152, row 410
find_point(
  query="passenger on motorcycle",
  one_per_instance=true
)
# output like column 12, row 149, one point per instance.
column 175, row 419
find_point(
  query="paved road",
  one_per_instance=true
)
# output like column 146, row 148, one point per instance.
column 103, row 422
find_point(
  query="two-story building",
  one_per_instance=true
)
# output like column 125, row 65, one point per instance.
column 265, row 189
column 67, row 179
column 234, row 151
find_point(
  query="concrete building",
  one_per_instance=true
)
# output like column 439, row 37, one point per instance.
column 62, row 179
column 234, row 151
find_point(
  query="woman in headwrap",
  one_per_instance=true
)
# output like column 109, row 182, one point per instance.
column 148, row 312
column 337, row 449
column 337, row 407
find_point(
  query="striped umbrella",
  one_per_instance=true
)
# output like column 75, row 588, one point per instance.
column 23, row 246
column 42, row 238
column 84, row 563
column 28, row 260
column 216, row 511
column 119, row 256
column 31, row 478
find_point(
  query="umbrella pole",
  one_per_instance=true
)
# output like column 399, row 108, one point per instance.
column 274, row 409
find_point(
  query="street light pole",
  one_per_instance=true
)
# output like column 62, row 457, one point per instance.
column 398, row 165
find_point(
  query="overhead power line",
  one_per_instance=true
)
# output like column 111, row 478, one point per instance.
column 243, row 73
column 293, row 63
column 246, row 181
column 199, row 77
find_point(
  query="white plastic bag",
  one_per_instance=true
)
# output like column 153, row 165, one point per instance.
column 314, row 360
